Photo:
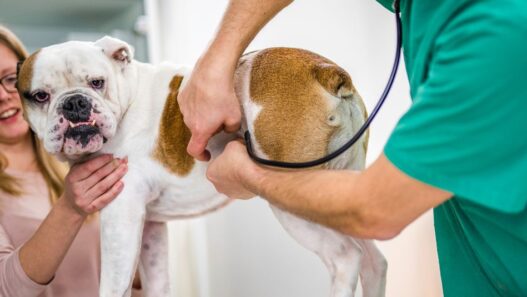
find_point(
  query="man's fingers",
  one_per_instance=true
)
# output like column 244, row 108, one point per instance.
column 199, row 139
column 196, row 146
column 231, row 125
column 85, row 169
column 205, row 156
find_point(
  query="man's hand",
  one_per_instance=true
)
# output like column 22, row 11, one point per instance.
column 228, row 171
column 208, row 104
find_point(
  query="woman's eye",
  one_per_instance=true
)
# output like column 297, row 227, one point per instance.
column 97, row 84
column 11, row 80
column 41, row 96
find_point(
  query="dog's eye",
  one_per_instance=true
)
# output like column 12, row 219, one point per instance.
column 97, row 84
column 40, row 96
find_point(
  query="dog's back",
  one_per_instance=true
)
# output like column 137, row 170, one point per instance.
column 297, row 105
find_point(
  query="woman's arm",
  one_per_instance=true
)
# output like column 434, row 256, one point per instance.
column 13, row 280
column 89, row 187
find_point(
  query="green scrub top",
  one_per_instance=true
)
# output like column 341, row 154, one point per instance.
column 466, row 133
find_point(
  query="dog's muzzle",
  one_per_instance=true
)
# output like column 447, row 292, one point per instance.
column 77, row 109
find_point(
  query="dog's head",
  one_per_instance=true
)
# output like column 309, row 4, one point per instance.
column 75, row 93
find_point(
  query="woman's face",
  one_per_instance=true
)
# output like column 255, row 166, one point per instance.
column 13, row 127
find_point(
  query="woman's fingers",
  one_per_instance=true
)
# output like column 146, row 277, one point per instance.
column 103, row 200
column 91, row 185
column 102, row 172
column 81, row 171
column 101, row 187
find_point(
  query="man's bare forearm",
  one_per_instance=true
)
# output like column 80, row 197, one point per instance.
column 242, row 20
column 328, row 197
column 376, row 203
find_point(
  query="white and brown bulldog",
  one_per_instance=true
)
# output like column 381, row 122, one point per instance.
column 86, row 98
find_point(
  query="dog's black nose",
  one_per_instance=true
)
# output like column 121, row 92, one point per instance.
column 77, row 108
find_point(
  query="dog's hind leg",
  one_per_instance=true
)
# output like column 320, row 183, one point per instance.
column 373, row 270
column 153, row 264
column 341, row 254
column 343, row 262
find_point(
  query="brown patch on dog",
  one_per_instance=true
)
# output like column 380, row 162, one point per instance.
column 289, row 85
column 25, row 75
column 334, row 79
column 171, row 147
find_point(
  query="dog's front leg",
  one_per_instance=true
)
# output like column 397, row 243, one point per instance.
column 121, row 231
column 153, row 266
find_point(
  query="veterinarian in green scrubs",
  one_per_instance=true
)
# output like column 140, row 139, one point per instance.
column 460, row 149
column 466, row 133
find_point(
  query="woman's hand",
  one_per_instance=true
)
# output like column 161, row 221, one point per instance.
column 91, row 185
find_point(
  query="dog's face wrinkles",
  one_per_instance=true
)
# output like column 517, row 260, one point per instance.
column 72, row 97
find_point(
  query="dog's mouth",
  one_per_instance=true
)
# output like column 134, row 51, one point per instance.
column 82, row 133
column 82, row 137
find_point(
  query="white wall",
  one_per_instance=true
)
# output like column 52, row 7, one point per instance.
column 249, row 254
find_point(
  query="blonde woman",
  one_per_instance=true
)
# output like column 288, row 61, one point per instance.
column 49, row 239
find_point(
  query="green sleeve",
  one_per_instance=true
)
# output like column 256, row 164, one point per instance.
column 466, row 131
column 388, row 4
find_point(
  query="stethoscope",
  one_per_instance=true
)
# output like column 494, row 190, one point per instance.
column 362, row 129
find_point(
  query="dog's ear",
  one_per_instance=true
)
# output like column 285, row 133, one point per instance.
column 334, row 79
column 116, row 49
column 18, row 67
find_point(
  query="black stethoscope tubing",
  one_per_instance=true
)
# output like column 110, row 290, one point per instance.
column 362, row 129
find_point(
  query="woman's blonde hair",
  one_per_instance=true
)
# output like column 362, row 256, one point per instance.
column 52, row 170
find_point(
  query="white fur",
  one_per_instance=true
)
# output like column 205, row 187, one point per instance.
column 130, row 110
